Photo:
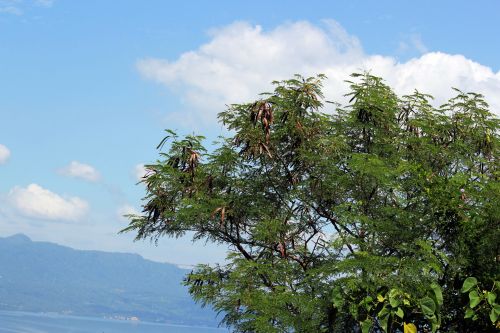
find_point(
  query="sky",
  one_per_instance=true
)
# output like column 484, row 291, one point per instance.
column 87, row 88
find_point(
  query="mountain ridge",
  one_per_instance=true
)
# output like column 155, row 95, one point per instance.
column 20, row 237
column 47, row 277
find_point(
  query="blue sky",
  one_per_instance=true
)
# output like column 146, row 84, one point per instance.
column 87, row 87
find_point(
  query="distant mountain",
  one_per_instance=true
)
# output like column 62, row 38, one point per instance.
column 46, row 277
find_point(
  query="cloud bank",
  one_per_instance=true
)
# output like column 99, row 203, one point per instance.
column 36, row 202
column 240, row 61
column 80, row 170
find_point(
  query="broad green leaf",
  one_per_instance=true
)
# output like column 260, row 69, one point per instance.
column 438, row 293
column 410, row 328
column 394, row 302
column 384, row 312
column 400, row 313
column 434, row 326
column 367, row 303
column 469, row 283
column 383, row 322
column 393, row 298
column 380, row 298
column 493, row 316
column 366, row 325
column 435, row 323
column 383, row 317
column 469, row 313
column 428, row 306
column 491, row 297
column 474, row 299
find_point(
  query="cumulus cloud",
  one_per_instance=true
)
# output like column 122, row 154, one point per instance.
column 80, row 170
column 240, row 61
column 36, row 202
column 4, row 154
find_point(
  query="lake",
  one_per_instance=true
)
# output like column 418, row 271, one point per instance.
column 23, row 322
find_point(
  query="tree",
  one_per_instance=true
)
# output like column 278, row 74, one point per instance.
column 366, row 219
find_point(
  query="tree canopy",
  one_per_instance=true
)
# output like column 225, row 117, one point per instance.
column 382, row 216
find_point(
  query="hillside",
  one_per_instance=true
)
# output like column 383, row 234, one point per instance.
column 45, row 277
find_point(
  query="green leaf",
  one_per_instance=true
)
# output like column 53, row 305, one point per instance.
column 383, row 312
column 366, row 325
column 393, row 298
column 400, row 313
column 491, row 297
column 435, row 322
column 493, row 316
column 367, row 303
column 383, row 322
column 394, row 302
column 469, row 313
column 438, row 293
column 428, row 306
column 383, row 317
column 434, row 326
column 469, row 283
column 380, row 298
column 474, row 299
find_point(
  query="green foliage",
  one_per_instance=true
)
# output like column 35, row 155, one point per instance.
column 368, row 218
column 482, row 303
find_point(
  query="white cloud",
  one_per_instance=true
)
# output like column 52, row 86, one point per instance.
column 126, row 210
column 4, row 154
column 140, row 171
column 241, row 60
column 80, row 170
column 36, row 202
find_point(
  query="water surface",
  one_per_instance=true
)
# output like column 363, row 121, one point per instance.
column 24, row 322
